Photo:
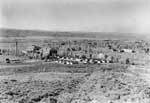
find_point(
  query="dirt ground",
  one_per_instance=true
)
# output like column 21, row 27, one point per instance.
column 54, row 83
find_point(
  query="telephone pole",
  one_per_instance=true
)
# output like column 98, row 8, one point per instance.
column 70, row 48
column 16, row 43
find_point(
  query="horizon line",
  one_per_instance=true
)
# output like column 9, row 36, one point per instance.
column 81, row 31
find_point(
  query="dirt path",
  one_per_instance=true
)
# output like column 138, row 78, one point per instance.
column 28, row 63
column 146, row 74
column 15, row 66
column 142, row 71
column 44, row 76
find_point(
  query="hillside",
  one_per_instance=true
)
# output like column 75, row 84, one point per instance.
column 34, row 34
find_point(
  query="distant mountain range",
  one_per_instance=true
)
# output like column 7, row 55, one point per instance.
column 34, row 34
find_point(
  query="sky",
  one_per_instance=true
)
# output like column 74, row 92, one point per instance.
column 124, row 16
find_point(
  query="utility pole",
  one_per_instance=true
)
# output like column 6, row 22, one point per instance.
column 70, row 48
column 90, row 50
column 16, row 46
column 16, row 43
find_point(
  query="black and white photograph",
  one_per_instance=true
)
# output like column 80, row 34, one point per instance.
column 74, row 51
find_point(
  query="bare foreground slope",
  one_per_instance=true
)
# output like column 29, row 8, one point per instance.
column 105, row 84
column 125, row 78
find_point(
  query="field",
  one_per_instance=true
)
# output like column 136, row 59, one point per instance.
column 36, row 81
